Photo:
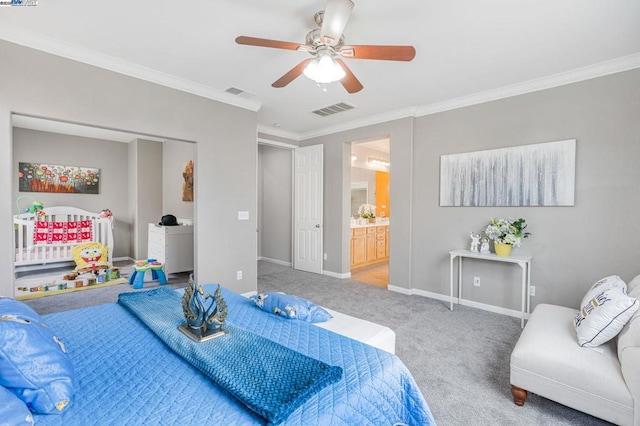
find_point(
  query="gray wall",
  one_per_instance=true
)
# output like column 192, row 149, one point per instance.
column 275, row 204
column 175, row 155
column 108, row 156
column 572, row 247
column 145, row 195
column 48, row 86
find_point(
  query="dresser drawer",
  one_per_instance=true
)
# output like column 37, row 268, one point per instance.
column 371, row 230
column 157, row 238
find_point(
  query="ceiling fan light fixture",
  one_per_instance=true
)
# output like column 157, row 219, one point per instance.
column 324, row 70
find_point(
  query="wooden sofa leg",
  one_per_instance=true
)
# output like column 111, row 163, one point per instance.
column 519, row 395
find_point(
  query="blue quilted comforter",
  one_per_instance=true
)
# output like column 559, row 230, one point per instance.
column 127, row 376
column 270, row 379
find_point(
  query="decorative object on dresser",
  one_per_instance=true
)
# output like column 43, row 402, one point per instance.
column 172, row 246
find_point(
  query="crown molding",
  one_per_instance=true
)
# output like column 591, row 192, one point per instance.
column 56, row 47
column 91, row 57
column 600, row 69
column 355, row 124
column 276, row 131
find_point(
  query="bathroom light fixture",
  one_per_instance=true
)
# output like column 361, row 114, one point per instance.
column 378, row 162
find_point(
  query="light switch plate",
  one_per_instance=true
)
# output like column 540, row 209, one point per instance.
column 243, row 215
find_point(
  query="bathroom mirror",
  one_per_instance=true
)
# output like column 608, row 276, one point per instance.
column 359, row 196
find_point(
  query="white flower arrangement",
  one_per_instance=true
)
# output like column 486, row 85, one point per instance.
column 367, row 211
column 507, row 231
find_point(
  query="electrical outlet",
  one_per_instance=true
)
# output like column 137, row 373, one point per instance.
column 325, row 256
column 532, row 290
column 239, row 275
column 476, row 281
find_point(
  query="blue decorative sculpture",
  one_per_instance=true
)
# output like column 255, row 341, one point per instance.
column 205, row 314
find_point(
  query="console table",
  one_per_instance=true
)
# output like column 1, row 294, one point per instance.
column 523, row 261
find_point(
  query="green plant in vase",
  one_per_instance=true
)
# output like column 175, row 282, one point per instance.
column 506, row 233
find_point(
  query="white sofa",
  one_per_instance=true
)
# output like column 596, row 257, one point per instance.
column 603, row 381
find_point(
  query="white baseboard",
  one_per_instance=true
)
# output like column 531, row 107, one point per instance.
column 492, row 308
column 337, row 275
column 276, row 261
column 464, row 302
column 250, row 293
column 401, row 290
column 122, row 259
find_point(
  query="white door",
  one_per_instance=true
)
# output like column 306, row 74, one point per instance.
column 307, row 241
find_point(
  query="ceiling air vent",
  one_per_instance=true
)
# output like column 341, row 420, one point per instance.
column 333, row 109
column 240, row 92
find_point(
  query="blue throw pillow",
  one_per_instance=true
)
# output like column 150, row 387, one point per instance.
column 34, row 365
column 13, row 412
column 291, row 307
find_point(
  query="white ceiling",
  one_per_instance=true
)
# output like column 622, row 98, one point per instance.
column 467, row 51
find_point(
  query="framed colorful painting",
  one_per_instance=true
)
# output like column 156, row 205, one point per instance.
column 40, row 177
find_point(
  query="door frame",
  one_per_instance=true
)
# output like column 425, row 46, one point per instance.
column 292, row 149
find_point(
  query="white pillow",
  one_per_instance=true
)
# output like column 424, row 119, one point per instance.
column 604, row 310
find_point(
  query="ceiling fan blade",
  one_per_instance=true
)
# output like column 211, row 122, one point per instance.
column 292, row 74
column 349, row 81
column 386, row 53
column 336, row 15
column 265, row 42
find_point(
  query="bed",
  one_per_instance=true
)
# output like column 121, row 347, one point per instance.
column 126, row 375
column 44, row 240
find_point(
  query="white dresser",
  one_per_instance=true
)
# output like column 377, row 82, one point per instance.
column 173, row 246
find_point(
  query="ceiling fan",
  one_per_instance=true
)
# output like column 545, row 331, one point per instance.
column 326, row 46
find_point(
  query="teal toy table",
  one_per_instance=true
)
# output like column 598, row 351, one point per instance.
column 140, row 268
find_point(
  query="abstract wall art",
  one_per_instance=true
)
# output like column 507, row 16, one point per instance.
column 40, row 177
column 529, row 175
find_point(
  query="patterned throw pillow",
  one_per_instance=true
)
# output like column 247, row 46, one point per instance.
column 34, row 365
column 604, row 310
column 291, row 307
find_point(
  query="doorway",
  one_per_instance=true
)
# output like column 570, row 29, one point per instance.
column 370, row 236
column 109, row 151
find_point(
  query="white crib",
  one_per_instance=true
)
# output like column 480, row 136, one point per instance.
column 30, row 256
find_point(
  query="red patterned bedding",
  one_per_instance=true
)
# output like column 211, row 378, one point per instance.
column 79, row 231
